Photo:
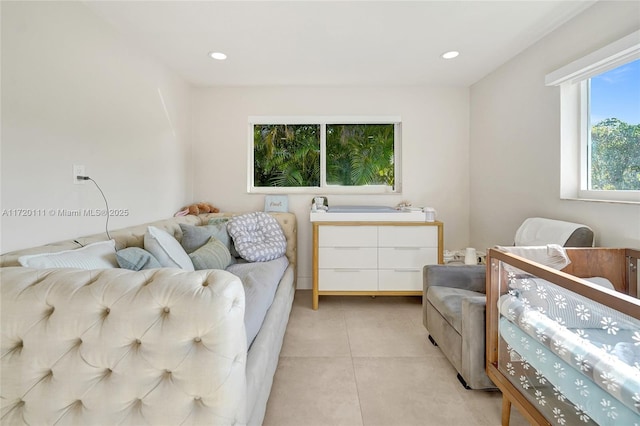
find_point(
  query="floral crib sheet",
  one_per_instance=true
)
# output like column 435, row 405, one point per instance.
column 576, row 359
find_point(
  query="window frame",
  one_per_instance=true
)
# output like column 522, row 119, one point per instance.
column 573, row 80
column 323, row 121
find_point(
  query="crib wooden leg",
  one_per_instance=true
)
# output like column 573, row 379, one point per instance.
column 506, row 410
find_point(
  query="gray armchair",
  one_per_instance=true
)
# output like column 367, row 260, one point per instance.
column 454, row 299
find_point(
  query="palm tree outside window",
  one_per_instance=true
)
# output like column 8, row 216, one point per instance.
column 327, row 154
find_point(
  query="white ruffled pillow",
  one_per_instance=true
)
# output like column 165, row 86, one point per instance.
column 166, row 249
column 257, row 237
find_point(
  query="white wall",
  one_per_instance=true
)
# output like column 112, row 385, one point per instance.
column 75, row 92
column 434, row 149
column 515, row 137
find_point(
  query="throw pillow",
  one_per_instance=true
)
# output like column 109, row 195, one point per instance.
column 100, row 255
column 136, row 259
column 166, row 249
column 194, row 237
column 213, row 255
column 222, row 234
column 220, row 226
column 257, row 236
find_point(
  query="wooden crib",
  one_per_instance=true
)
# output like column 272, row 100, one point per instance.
column 561, row 348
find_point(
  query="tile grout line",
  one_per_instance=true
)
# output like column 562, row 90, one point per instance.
column 484, row 411
column 353, row 366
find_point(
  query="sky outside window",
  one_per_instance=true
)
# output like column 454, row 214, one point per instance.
column 614, row 148
column 616, row 94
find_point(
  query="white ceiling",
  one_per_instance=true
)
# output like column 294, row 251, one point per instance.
column 335, row 42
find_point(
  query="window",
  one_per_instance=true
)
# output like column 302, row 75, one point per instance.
column 324, row 154
column 286, row 155
column 613, row 145
column 600, row 108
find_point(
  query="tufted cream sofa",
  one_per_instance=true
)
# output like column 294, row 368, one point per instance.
column 157, row 347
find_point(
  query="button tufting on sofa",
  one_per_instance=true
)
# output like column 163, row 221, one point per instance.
column 18, row 346
column 93, row 280
column 120, row 382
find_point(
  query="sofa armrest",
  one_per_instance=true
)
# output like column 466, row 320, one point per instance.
column 467, row 277
column 473, row 363
column 113, row 346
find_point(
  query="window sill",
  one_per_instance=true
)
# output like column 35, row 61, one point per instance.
column 593, row 200
column 373, row 190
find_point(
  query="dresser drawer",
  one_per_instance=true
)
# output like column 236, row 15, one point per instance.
column 347, row 280
column 380, row 257
column 348, row 257
column 348, row 236
column 408, row 236
column 400, row 279
column 406, row 257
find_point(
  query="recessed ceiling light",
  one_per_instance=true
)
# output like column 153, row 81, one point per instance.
column 450, row 55
column 218, row 55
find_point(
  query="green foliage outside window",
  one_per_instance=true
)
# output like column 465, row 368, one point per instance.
column 356, row 155
column 286, row 155
column 360, row 154
column 615, row 155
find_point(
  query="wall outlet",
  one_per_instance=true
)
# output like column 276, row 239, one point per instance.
column 78, row 170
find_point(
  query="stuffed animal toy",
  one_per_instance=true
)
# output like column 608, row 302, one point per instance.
column 197, row 208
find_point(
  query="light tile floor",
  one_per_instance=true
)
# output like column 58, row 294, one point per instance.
column 367, row 361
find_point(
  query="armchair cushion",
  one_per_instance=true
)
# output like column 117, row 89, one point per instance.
column 448, row 302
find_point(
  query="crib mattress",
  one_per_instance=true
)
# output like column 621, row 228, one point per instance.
column 560, row 390
column 582, row 354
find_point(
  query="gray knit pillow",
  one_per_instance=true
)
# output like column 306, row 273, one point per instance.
column 213, row 255
column 257, row 237
column 195, row 236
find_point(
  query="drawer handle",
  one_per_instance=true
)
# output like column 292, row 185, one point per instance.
column 347, row 270
column 406, row 248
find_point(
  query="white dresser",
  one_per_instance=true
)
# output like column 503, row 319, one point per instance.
column 373, row 258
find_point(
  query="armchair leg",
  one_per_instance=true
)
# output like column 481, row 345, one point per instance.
column 433, row 342
column 463, row 382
